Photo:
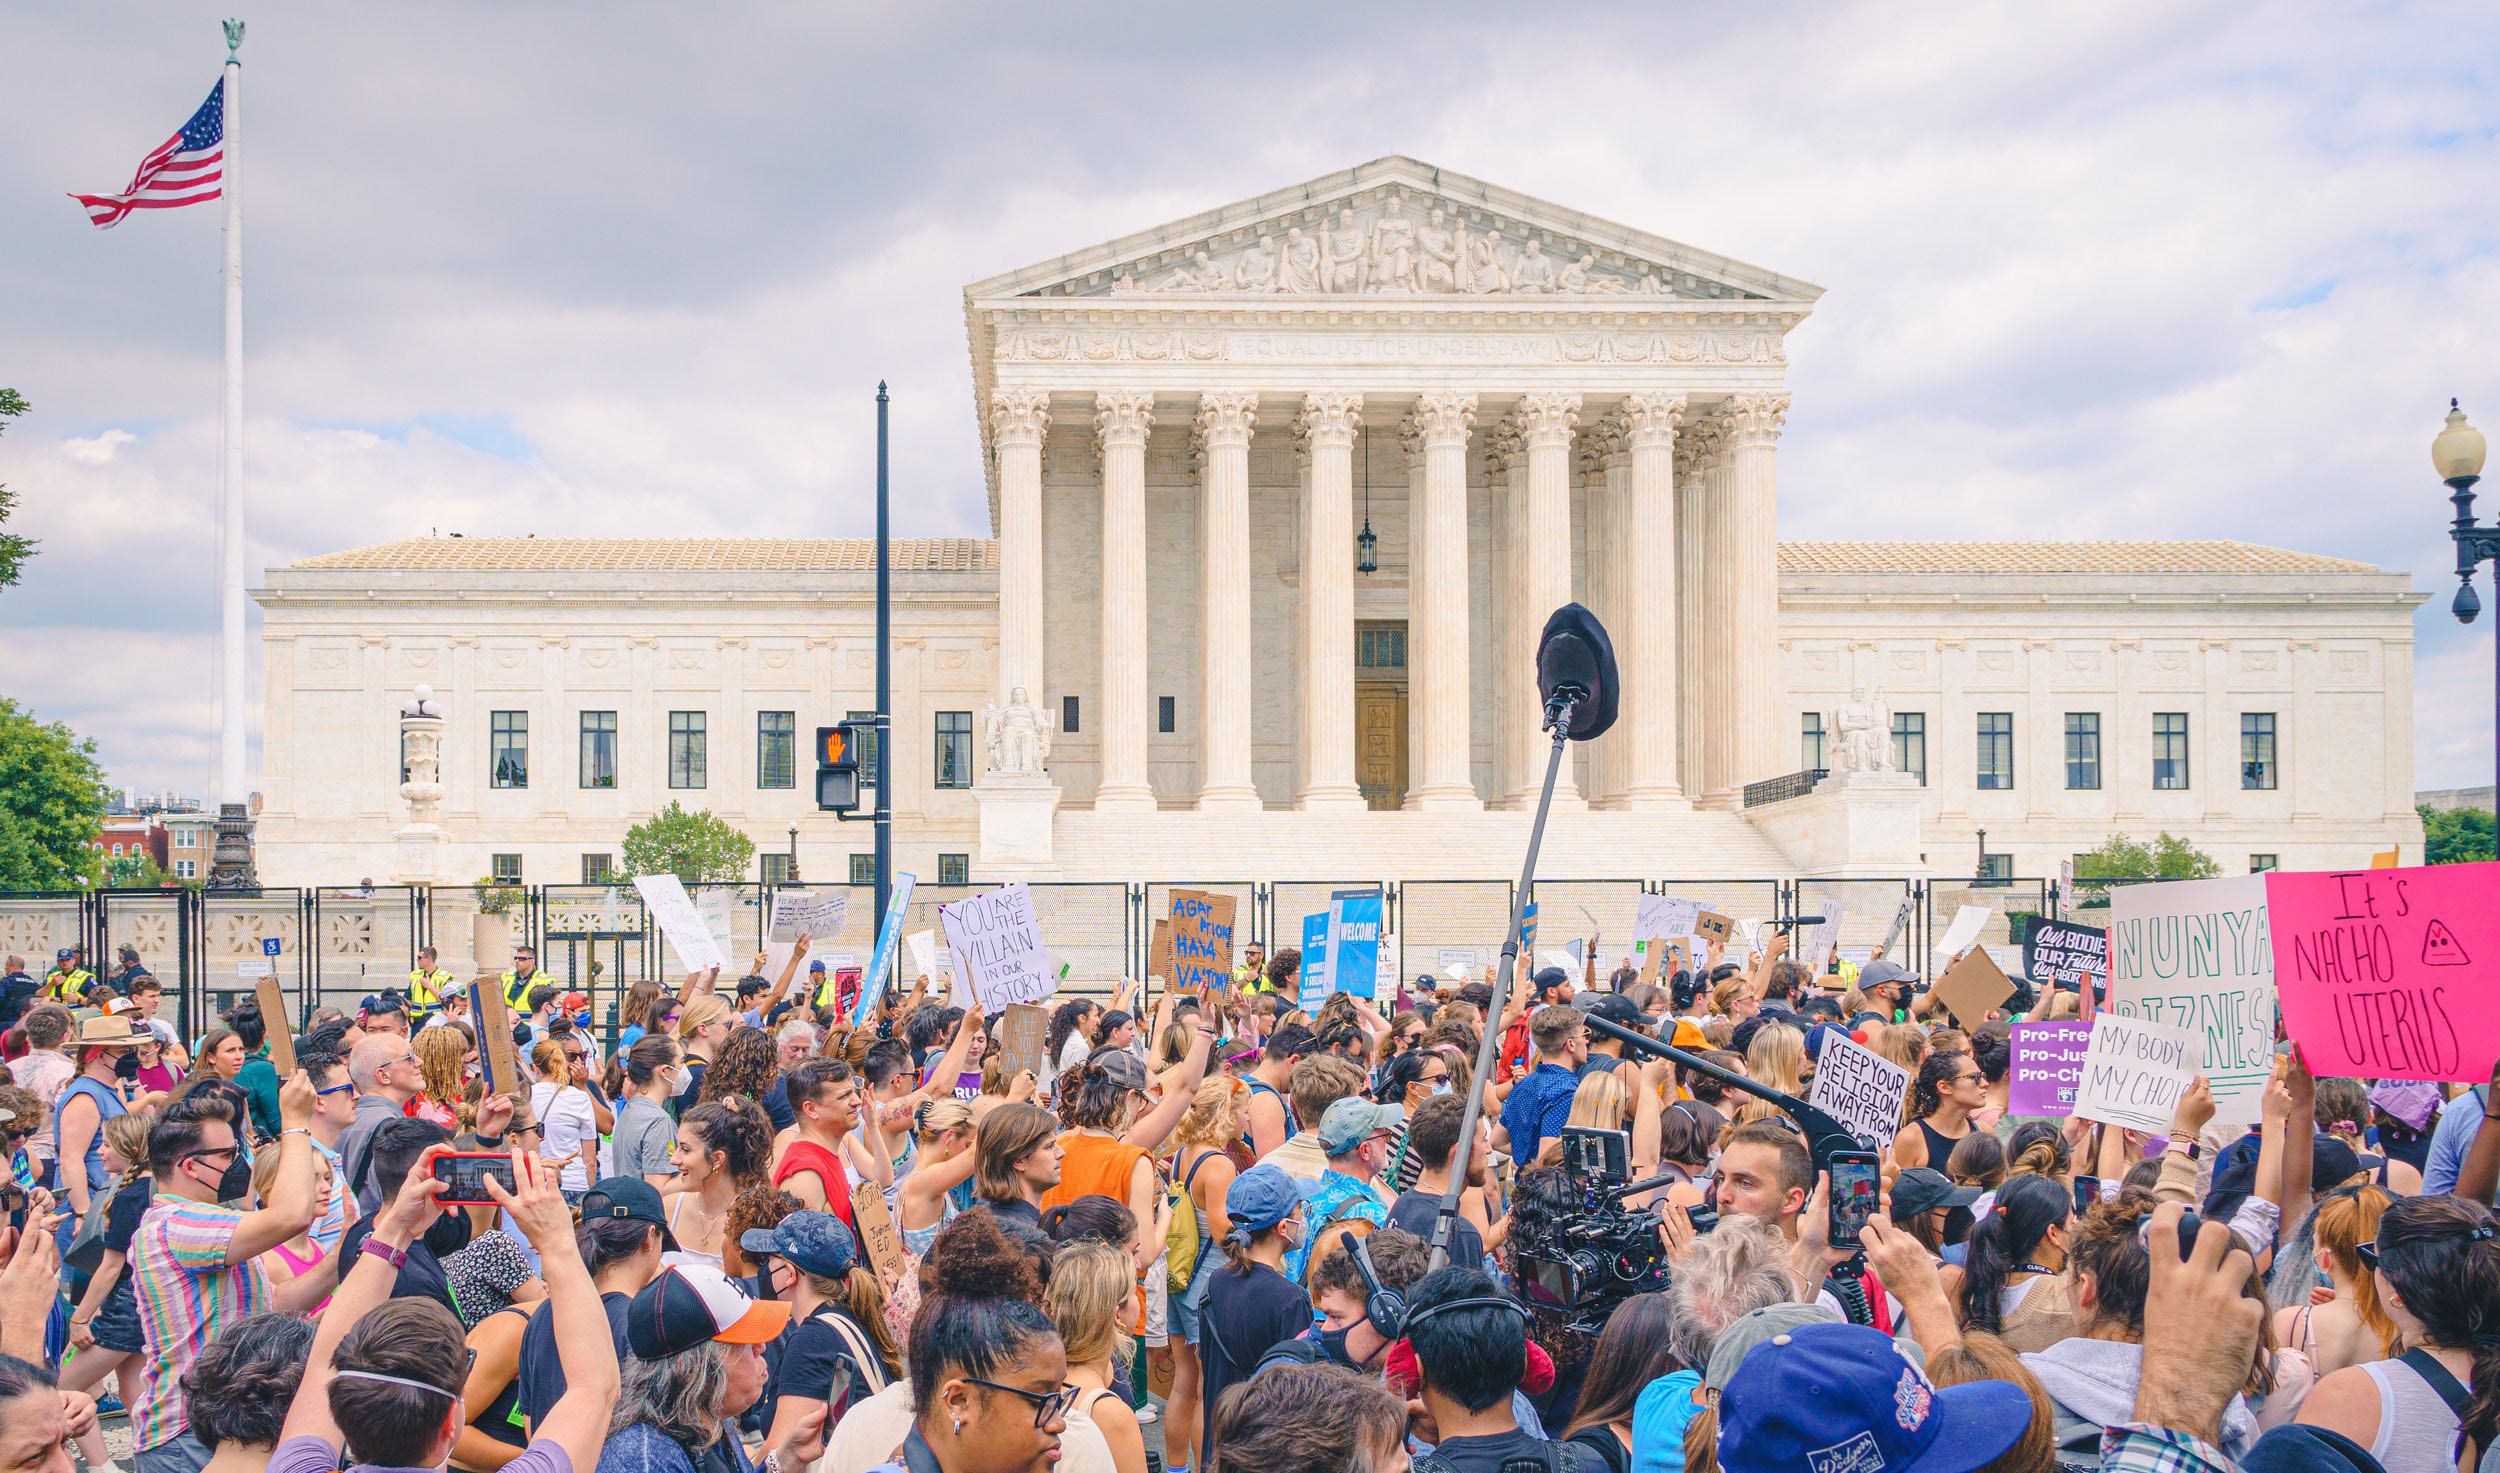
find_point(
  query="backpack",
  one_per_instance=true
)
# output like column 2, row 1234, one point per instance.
column 1182, row 1246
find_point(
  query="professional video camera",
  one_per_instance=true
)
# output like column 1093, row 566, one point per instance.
column 1586, row 1254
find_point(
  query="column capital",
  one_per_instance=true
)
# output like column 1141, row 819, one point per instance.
column 1602, row 442
column 1122, row 416
column 1753, row 420
column 1504, row 447
column 1546, row 420
column 1329, row 419
column 1018, row 417
column 1224, row 418
column 1698, row 448
column 1652, row 419
column 1443, row 419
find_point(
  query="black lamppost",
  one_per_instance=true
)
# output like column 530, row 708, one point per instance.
column 1982, row 871
column 794, row 854
column 2458, row 456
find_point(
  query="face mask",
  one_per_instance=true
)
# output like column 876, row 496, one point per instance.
column 235, row 1181
column 1441, row 1086
column 449, row 1234
column 1333, row 1343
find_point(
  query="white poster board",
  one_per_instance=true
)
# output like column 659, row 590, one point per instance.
column 923, row 946
column 817, row 914
column 997, row 941
column 1815, row 952
column 670, row 906
column 1665, row 917
column 718, row 906
column 2198, row 954
column 2134, row 1070
column 1968, row 922
column 1862, row 1090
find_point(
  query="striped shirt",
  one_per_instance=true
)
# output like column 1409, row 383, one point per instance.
column 331, row 1225
column 187, row 1293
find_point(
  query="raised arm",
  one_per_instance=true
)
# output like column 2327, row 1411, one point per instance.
column 789, row 969
column 696, row 984
column 1180, row 1086
column 288, row 1208
column 585, row 1349
column 368, row 1284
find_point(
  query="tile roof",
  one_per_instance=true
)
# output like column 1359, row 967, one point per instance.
column 2055, row 557
column 666, row 555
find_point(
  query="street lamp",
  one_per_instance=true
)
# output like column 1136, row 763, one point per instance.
column 2457, row 454
column 794, row 854
column 1982, row 870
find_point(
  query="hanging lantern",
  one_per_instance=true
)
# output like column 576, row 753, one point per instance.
column 1367, row 546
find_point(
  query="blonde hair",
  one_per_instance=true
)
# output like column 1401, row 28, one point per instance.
column 933, row 1118
column 1983, row 1357
column 1090, row 1283
column 545, row 1056
column 126, row 1135
column 860, row 1295
column 1214, row 1117
column 702, row 1012
column 1903, row 1043
column 265, row 1171
column 1602, row 1102
column 1776, row 1056
column 2062, row 1005
column 443, row 1058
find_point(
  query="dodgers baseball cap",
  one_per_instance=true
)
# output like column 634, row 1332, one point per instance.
column 818, row 1243
column 690, row 1303
column 1824, row 1398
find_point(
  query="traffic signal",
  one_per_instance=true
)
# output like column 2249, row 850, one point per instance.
column 837, row 768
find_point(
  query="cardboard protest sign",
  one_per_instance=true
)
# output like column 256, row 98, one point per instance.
column 1968, row 922
column 2387, row 859
column 1712, row 926
column 1972, row 986
column 2061, row 954
column 495, row 1054
column 2134, row 1070
column 666, row 897
column 1022, row 1035
column 815, row 913
column 1354, row 941
column 281, row 1035
column 1313, row 983
column 2196, row 953
column 2390, row 973
column 1160, row 961
column 1202, row 940
column 997, row 941
column 2047, row 1067
column 876, row 1231
column 1861, row 1089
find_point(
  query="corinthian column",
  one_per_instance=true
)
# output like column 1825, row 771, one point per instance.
column 1753, row 422
column 1604, row 476
column 1223, row 427
column 1437, row 661
column 1018, row 420
column 1506, row 475
column 1545, row 425
column 1646, row 603
column 1696, row 452
column 1121, row 419
column 1327, row 425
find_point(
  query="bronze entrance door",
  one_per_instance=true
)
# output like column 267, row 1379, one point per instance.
column 1380, row 712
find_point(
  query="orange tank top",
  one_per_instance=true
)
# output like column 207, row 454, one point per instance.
column 1092, row 1165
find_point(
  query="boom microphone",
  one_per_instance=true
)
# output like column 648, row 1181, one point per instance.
column 1575, row 663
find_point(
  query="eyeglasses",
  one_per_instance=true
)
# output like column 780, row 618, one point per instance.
column 334, row 1089
column 227, row 1151
column 1441, row 1078
column 1045, row 1407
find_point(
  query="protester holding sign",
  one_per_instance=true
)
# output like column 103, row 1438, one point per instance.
column 1950, row 1087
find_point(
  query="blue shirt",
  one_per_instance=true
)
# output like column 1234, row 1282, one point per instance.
column 1538, row 1108
column 2459, row 1119
column 1658, row 1422
column 1340, row 1198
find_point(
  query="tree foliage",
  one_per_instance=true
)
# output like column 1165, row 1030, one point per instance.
column 2455, row 835
column 51, row 804
column 139, row 870
column 692, row 846
column 2168, row 857
column 14, row 550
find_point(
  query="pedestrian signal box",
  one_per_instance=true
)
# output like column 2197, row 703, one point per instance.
column 837, row 767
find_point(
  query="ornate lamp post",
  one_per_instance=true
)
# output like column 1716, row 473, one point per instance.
column 2457, row 454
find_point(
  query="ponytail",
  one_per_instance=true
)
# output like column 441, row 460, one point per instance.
column 2025, row 1209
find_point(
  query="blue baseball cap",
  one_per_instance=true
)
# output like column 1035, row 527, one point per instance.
column 1832, row 1397
column 818, row 1243
column 1264, row 1196
column 815, row 966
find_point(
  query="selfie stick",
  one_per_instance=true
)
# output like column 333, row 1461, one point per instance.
column 1575, row 668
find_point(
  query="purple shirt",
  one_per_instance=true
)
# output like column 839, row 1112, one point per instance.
column 316, row 1455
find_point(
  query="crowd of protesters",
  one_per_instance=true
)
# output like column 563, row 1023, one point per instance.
column 746, row 1231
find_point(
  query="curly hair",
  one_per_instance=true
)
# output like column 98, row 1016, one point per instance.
column 2037, row 1148
column 1091, row 1098
column 739, row 1130
column 756, row 1207
column 242, row 1384
column 2109, row 1249
column 1545, row 1198
column 1934, row 1073
column 746, row 1066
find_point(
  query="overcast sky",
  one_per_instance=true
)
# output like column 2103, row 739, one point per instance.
column 2113, row 269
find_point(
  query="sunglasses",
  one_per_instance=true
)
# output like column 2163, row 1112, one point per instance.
column 1045, row 1407
column 334, row 1089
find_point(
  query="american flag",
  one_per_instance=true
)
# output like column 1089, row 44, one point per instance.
column 183, row 170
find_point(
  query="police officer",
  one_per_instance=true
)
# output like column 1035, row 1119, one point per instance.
column 518, row 981
column 428, row 985
column 69, row 978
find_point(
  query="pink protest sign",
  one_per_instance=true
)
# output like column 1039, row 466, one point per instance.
column 2390, row 973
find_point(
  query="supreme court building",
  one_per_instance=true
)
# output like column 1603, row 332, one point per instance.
column 1281, row 495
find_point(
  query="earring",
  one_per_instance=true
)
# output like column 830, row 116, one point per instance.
column 959, row 1426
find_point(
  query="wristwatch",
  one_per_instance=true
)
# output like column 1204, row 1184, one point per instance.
column 2191, row 1145
column 397, row 1258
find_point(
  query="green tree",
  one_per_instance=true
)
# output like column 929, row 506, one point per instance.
column 2168, row 857
column 51, row 804
column 692, row 846
column 2455, row 835
column 14, row 550
column 139, row 870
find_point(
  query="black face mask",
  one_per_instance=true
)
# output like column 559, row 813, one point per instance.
column 1333, row 1342
column 235, row 1182
column 449, row 1234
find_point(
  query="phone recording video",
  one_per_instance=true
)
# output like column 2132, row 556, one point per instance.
column 464, row 1174
column 1857, row 1184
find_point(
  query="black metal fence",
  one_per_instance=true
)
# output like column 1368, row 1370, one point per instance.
column 334, row 945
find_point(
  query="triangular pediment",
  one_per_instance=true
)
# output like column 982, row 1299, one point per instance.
column 1394, row 227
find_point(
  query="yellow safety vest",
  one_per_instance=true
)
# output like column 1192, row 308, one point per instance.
column 516, row 991
column 68, row 986
column 426, row 989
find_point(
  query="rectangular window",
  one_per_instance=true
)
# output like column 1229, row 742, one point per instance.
column 508, row 748
column 1380, row 646
column 954, row 749
column 2258, row 864
column 777, row 867
column 186, row 869
column 1996, row 866
column 871, row 761
column 863, row 869
column 2170, row 751
column 686, row 755
column 598, row 869
column 1909, row 743
column 1067, row 714
column 954, row 869
column 2257, row 750
column 504, row 868
column 2083, row 749
column 598, row 749
column 1166, row 714
column 1996, row 751
column 1810, row 742
column 776, row 749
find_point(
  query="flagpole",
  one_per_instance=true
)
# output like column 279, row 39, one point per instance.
column 233, row 865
